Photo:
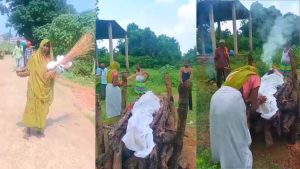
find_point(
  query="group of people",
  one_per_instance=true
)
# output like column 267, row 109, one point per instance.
column 22, row 52
column 110, row 84
column 230, row 107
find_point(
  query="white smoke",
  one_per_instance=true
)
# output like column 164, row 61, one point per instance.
column 281, row 32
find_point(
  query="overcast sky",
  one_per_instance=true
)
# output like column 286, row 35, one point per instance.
column 175, row 18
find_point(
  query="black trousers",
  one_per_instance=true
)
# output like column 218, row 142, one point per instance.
column 221, row 75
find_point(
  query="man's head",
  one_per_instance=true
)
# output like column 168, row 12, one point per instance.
column 102, row 65
column 18, row 43
column 222, row 43
column 138, row 67
column 186, row 63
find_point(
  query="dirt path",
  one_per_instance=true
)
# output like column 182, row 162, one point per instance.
column 70, row 135
column 281, row 154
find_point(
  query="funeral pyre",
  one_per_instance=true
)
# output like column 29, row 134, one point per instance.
column 147, row 135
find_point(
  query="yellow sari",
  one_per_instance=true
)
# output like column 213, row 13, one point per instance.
column 39, row 90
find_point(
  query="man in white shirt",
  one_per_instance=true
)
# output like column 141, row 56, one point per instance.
column 102, row 72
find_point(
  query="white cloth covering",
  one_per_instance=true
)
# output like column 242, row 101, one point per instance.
column 59, row 68
column 268, row 88
column 229, row 134
column 139, row 137
column 113, row 100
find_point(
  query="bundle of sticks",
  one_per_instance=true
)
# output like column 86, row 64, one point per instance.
column 117, row 156
column 83, row 46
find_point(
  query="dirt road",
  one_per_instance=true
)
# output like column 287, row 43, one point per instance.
column 69, row 141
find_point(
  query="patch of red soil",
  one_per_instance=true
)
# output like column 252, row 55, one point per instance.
column 84, row 96
column 189, row 148
column 281, row 153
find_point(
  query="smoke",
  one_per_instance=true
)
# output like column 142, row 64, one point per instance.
column 281, row 32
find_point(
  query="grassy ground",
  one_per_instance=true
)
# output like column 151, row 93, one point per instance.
column 6, row 46
column 205, row 90
column 156, row 84
column 85, row 81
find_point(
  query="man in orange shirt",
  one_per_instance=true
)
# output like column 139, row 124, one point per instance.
column 221, row 62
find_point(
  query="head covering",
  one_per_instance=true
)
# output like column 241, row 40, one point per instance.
column 238, row 77
column 37, row 67
column 113, row 70
column 222, row 41
column 28, row 44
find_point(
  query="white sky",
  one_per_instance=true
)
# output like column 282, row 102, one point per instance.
column 181, row 18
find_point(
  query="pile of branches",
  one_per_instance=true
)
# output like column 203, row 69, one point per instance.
column 168, row 140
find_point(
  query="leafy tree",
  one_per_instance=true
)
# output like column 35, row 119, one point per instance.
column 3, row 8
column 191, row 55
column 66, row 29
column 27, row 15
column 169, row 50
column 144, row 42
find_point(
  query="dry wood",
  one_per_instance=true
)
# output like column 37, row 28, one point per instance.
column 117, row 163
column 124, row 91
column 183, row 90
column 99, row 129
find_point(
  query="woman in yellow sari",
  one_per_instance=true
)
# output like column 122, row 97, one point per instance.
column 39, row 89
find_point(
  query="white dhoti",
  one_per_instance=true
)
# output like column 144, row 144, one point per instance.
column 229, row 134
column 113, row 100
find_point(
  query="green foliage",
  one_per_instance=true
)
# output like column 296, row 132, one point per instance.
column 191, row 55
column 27, row 15
column 65, row 30
column 144, row 61
column 144, row 42
column 167, row 69
column 83, row 67
column 204, row 161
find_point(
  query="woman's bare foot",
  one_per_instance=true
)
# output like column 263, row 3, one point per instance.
column 27, row 133
column 40, row 133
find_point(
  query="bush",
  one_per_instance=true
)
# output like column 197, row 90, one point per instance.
column 144, row 61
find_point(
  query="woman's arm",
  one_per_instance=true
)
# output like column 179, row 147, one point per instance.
column 191, row 73
column 23, row 72
column 50, row 74
column 131, row 77
column 146, row 74
column 254, row 100
column 180, row 74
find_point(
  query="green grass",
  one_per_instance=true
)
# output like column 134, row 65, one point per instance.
column 83, row 80
column 8, row 47
column 156, row 84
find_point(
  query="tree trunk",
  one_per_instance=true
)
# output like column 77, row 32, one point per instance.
column 184, row 91
column 99, row 129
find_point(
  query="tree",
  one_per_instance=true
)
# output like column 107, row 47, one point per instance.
column 168, row 49
column 3, row 8
column 191, row 55
column 66, row 29
column 27, row 15
column 144, row 42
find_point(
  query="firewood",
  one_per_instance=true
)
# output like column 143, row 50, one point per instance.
column 183, row 91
